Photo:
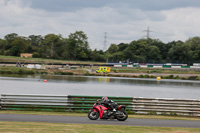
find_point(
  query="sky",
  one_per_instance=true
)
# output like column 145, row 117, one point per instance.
column 123, row 21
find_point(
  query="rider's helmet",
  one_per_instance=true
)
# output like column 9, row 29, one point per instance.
column 105, row 98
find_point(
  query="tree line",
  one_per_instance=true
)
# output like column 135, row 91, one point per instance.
column 76, row 47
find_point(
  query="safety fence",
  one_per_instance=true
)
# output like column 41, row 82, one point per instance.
column 158, row 66
column 77, row 103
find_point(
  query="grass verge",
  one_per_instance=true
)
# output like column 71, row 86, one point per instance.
column 43, row 61
column 157, row 70
column 21, row 70
column 85, row 115
column 33, row 127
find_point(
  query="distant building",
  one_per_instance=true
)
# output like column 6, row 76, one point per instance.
column 26, row 55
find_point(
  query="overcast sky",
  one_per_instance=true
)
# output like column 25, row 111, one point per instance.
column 123, row 20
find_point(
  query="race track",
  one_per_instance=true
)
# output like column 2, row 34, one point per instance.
column 85, row 120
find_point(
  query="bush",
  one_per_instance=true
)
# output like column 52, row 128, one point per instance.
column 87, row 73
column 146, row 76
column 197, row 78
column 177, row 77
column 170, row 76
column 30, row 72
column 36, row 55
column 192, row 77
column 153, row 76
column 141, row 76
column 43, row 72
column 63, row 73
column 23, row 71
column 7, row 72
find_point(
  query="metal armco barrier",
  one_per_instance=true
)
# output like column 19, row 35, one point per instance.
column 166, row 106
column 86, row 102
column 34, row 102
column 158, row 66
column 78, row 103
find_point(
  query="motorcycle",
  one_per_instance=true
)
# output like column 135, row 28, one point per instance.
column 102, row 112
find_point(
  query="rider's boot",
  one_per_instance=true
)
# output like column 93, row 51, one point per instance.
column 110, row 112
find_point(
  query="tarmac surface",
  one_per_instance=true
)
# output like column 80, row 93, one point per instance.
column 85, row 120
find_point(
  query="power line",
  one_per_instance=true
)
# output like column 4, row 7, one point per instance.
column 105, row 41
column 148, row 32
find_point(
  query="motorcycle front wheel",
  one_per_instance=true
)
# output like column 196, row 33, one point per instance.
column 93, row 115
column 123, row 116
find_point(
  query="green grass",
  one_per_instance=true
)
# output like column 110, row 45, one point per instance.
column 33, row 127
column 16, row 70
column 21, row 70
column 43, row 61
column 156, row 70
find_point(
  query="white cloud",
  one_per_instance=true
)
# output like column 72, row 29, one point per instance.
column 182, row 23
column 123, row 24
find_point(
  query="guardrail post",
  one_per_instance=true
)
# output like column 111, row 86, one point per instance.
column 0, row 102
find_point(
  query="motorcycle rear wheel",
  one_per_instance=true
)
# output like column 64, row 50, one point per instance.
column 93, row 115
column 122, row 117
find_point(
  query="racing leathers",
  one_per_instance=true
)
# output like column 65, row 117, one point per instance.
column 111, row 104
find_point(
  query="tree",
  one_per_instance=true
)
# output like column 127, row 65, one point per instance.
column 18, row 45
column 117, row 56
column 113, row 49
column 168, row 46
column 122, row 46
column 136, row 50
column 51, row 44
column 180, row 52
column 2, row 46
column 194, row 44
column 98, row 55
column 36, row 40
column 153, row 54
column 163, row 49
column 78, row 45
column 9, row 39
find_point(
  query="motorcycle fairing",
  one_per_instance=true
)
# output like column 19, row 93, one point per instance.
column 121, row 106
column 100, row 109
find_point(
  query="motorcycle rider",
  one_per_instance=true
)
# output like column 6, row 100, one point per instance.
column 109, row 103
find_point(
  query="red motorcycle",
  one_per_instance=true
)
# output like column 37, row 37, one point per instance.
column 105, row 113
